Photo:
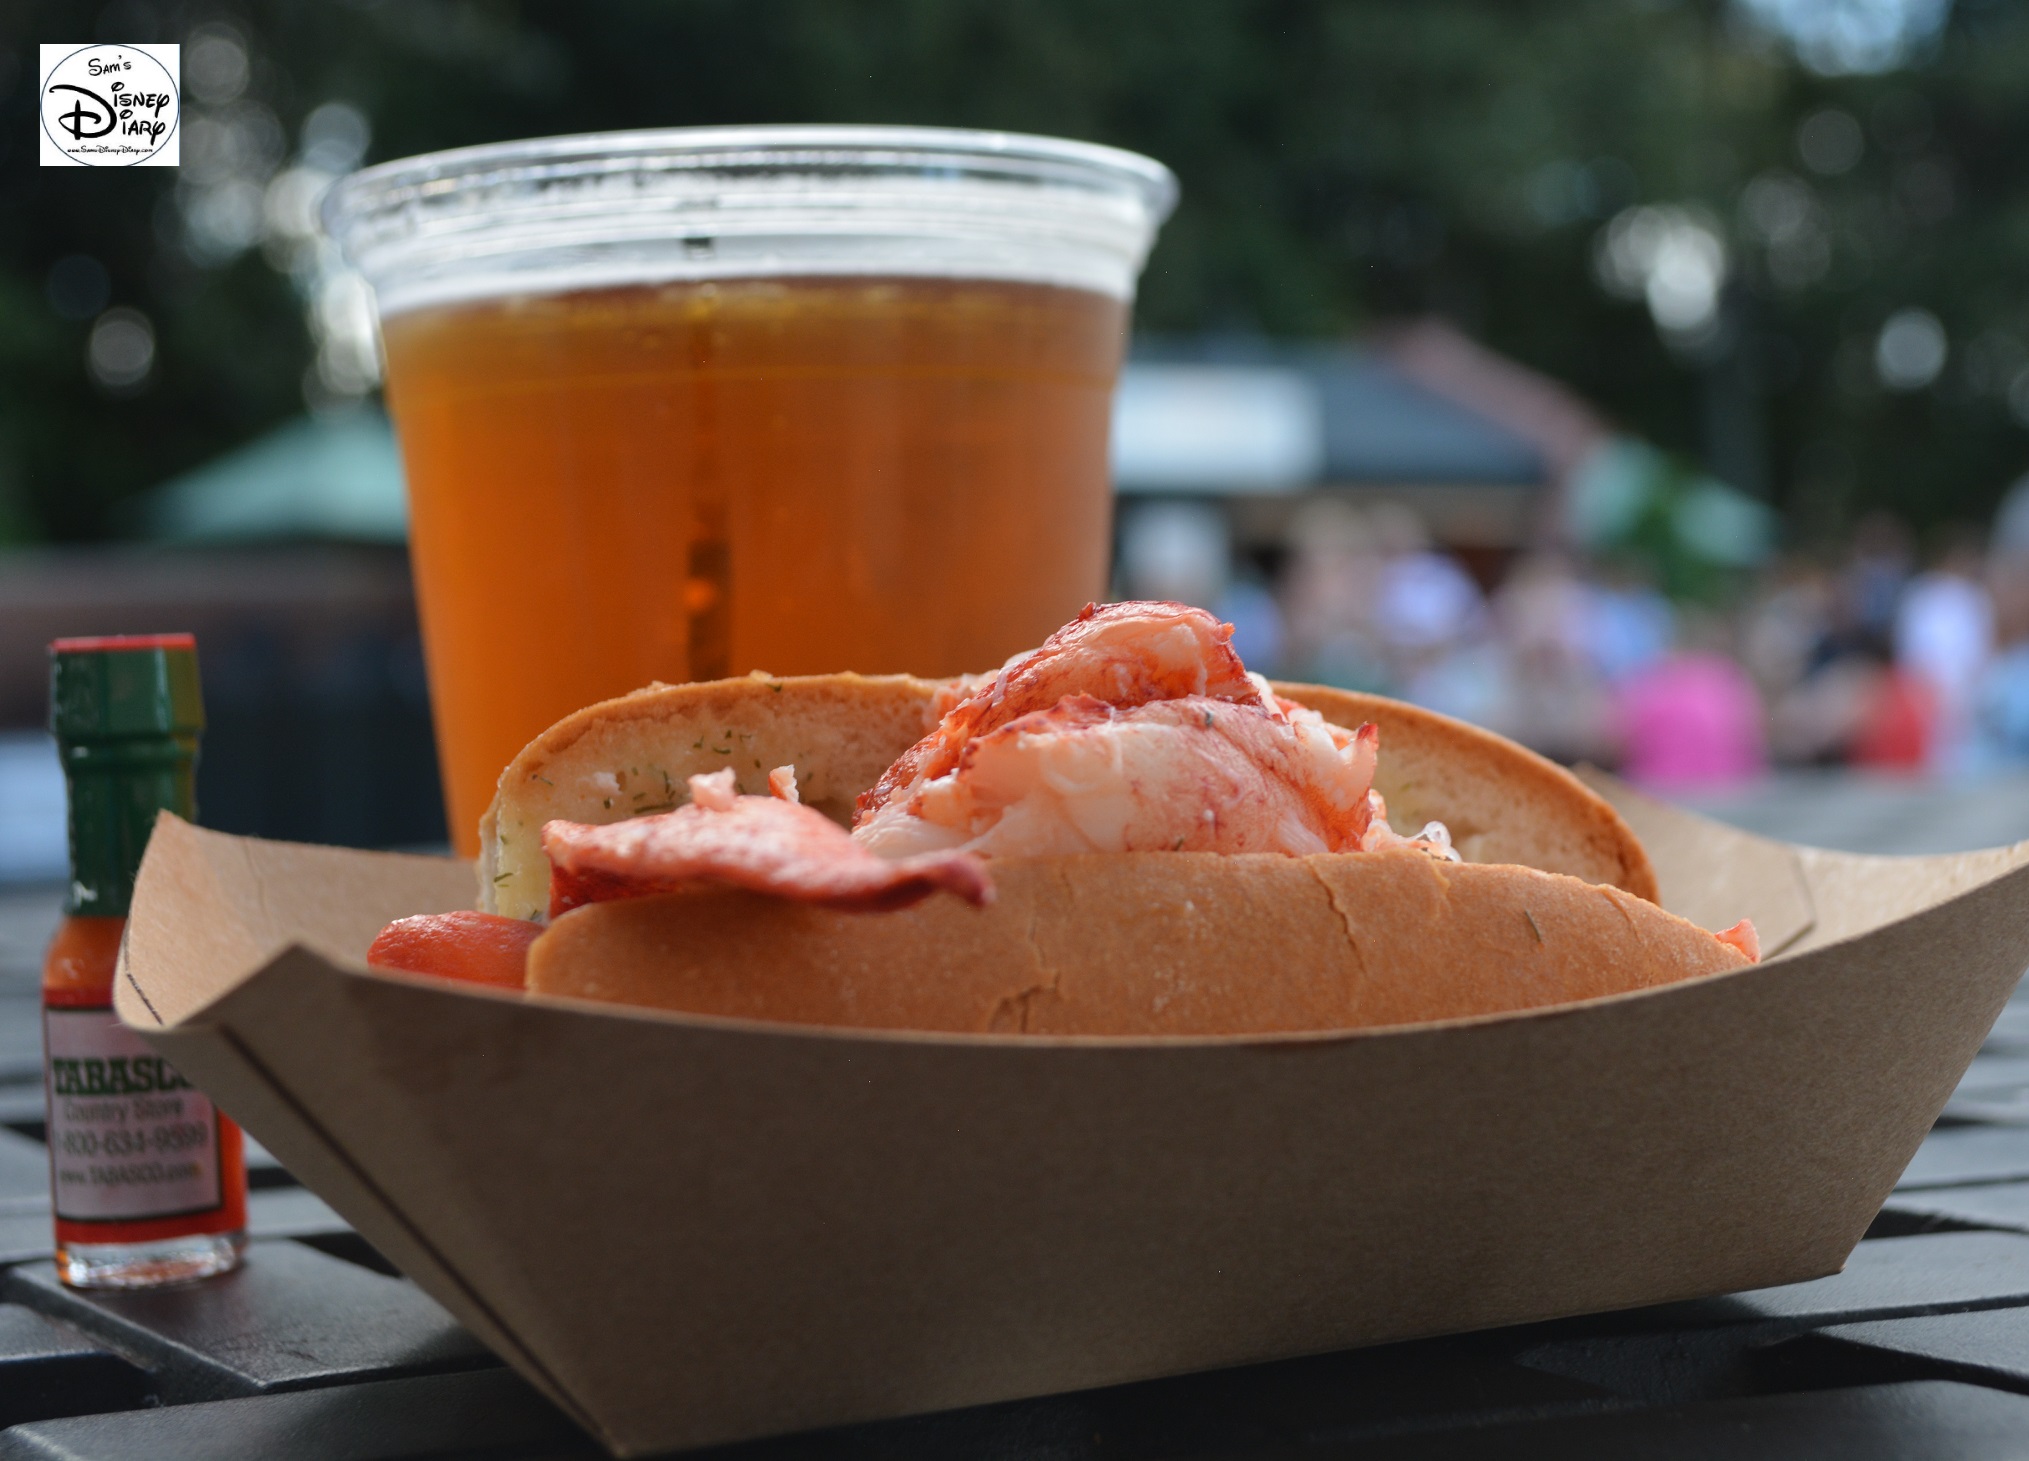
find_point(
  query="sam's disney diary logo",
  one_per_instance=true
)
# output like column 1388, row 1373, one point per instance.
column 109, row 106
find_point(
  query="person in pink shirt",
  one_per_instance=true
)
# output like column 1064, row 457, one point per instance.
column 1692, row 720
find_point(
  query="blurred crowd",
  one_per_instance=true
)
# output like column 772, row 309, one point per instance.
column 1884, row 656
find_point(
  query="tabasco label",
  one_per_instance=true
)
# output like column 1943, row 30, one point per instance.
column 129, row 1138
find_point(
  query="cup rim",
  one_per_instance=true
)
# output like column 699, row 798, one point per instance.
column 1021, row 156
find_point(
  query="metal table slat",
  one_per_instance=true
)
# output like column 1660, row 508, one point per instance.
column 290, row 1318
column 1936, row 1420
column 1964, row 1155
column 47, row 1368
column 490, row 1412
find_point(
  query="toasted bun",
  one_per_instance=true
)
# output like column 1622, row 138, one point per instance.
column 1141, row 944
column 623, row 758
column 629, row 756
column 1501, row 803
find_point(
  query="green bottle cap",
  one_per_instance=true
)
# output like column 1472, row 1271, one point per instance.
column 124, row 685
column 126, row 711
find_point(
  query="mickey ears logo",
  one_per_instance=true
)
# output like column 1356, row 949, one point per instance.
column 110, row 106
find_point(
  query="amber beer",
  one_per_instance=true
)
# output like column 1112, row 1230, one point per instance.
column 701, row 479
column 683, row 404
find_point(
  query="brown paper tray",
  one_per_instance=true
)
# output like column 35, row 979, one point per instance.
column 689, row 1230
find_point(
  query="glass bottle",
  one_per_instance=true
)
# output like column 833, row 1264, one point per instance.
column 148, row 1178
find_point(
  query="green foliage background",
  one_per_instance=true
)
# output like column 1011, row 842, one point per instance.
column 1342, row 164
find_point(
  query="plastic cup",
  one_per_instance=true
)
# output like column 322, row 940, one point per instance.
column 683, row 404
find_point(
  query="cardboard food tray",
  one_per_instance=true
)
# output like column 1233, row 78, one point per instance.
column 688, row 1230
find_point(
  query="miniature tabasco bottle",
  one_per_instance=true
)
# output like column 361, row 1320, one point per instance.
column 147, row 1177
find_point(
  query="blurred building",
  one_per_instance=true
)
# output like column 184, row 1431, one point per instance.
column 1478, row 447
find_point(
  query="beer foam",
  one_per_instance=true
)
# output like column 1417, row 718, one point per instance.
column 613, row 209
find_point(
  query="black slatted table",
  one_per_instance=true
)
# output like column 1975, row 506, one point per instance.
column 318, row 1350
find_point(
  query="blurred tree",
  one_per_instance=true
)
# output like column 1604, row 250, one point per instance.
column 1804, row 279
